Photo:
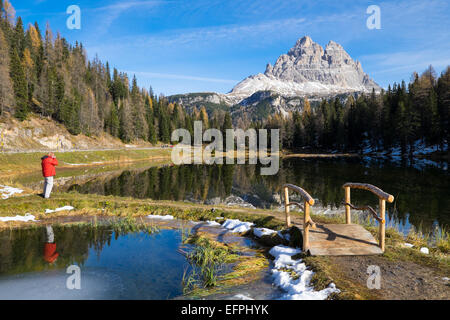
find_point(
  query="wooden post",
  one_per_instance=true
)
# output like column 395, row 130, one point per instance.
column 348, row 216
column 286, row 207
column 306, row 227
column 382, row 223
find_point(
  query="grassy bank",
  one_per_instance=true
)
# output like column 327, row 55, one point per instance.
column 14, row 164
column 208, row 259
column 327, row 269
column 90, row 204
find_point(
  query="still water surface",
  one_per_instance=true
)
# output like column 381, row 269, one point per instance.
column 33, row 263
column 422, row 192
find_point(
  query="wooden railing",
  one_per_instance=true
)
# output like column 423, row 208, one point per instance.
column 382, row 196
column 307, row 202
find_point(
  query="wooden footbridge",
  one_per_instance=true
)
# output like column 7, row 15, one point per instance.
column 340, row 239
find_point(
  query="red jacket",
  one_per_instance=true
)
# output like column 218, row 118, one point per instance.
column 48, row 166
column 50, row 254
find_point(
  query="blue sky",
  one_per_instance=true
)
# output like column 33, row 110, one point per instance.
column 198, row 45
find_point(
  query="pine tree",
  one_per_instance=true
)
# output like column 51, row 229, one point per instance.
column 152, row 136
column 70, row 113
column 189, row 124
column 114, row 123
column 227, row 123
column 150, row 119
column 434, row 132
column 108, row 76
column 151, row 93
column 375, row 120
column 7, row 102
column 443, row 90
column 126, row 130
column 138, row 113
column 339, row 126
column 20, row 86
column 164, row 128
column 19, row 38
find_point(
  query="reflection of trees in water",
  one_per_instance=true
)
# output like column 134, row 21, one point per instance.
column 22, row 250
column 421, row 193
column 167, row 183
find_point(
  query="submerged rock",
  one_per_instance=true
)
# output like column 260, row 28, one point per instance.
column 213, row 201
column 238, row 201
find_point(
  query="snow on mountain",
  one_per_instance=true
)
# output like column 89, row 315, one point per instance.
column 309, row 69
column 261, row 82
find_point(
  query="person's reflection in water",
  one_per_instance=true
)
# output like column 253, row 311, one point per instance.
column 50, row 254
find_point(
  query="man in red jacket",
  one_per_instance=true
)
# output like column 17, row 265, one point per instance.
column 48, row 171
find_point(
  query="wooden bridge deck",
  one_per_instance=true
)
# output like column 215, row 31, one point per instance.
column 341, row 240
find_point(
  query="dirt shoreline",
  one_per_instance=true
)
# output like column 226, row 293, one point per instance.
column 399, row 281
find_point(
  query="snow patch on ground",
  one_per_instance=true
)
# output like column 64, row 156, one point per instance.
column 295, row 289
column 259, row 232
column 6, row 192
column 25, row 218
column 286, row 236
column 168, row 217
column 212, row 223
column 424, row 250
column 299, row 289
column 66, row 208
column 408, row 245
column 236, row 226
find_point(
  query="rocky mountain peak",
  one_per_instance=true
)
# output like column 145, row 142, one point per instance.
column 306, row 48
column 309, row 68
column 303, row 42
column 333, row 45
column 306, row 70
